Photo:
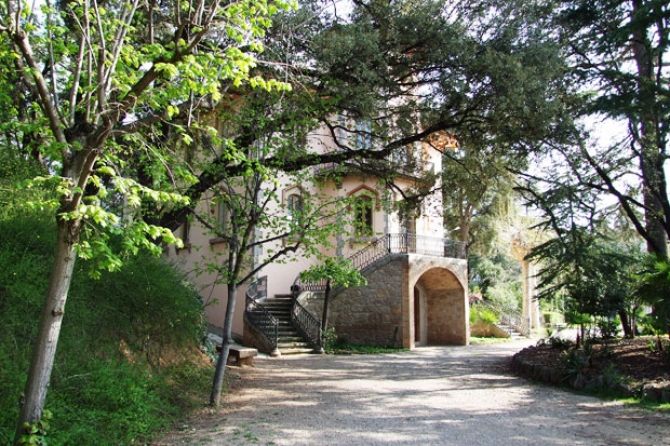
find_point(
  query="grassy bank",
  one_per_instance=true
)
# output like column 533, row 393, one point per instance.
column 128, row 362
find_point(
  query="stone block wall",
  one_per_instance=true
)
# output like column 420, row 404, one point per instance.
column 372, row 314
column 382, row 312
column 445, row 318
column 312, row 301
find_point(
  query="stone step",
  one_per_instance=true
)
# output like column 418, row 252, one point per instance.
column 298, row 344
column 278, row 307
column 275, row 301
column 295, row 338
column 295, row 351
column 512, row 332
column 289, row 335
column 281, row 314
column 286, row 328
column 290, row 341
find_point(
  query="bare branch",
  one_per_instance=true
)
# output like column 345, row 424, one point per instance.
column 76, row 78
column 101, row 100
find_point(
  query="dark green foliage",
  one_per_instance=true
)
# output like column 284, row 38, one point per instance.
column 329, row 339
column 653, row 288
column 573, row 363
column 497, row 278
column 594, row 274
column 110, row 380
column 615, row 49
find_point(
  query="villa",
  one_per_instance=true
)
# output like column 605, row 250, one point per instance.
column 417, row 281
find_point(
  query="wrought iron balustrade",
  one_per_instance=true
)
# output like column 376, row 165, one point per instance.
column 308, row 325
column 410, row 167
column 257, row 314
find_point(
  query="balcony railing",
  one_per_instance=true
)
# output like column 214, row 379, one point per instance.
column 412, row 167
column 403, row 243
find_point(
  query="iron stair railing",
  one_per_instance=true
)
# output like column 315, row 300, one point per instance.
column 307, row 325
column 257, row 314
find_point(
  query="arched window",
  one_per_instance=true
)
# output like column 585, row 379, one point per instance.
column 222, row 217
column 294, row 206
column 363, row 213
column 363, row 135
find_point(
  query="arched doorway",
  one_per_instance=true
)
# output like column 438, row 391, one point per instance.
column 440, row 309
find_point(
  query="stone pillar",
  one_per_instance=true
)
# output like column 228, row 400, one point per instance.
column 530, row 305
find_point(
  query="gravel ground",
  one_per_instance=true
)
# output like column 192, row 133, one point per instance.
column 430, row 396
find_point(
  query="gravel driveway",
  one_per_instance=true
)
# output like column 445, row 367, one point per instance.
column 430, row 396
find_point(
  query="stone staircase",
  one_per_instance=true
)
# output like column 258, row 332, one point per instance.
column 513, row 332
column 290, row 342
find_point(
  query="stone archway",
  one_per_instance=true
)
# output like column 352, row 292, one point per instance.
column 443, row 309
column 409, row 300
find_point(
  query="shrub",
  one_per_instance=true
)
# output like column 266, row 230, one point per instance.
column 553, row 318
column 573, row 363
column 329, row 339
column 483, row 315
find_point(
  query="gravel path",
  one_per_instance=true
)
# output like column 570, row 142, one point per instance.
column 430, row 396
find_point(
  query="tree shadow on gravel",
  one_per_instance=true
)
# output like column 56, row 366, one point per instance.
column 445, row 396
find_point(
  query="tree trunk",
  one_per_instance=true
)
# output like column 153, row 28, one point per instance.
column 626, row 324
column 44, row 351
column 652, row 152
column 324, row 315
column 220, row 373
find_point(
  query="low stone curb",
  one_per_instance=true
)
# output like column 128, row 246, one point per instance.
column 648, row 391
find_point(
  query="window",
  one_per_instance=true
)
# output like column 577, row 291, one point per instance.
column 294, row 211
column 363, row 213
column 185, row 230
column 222, row 217
column 402, row 157
column 183, row 234
column 340, row 130
column 220, row 221
column 363, row 135
column 255, row 151
column 294, row 206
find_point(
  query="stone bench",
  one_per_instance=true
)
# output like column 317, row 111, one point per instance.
column 242, row 355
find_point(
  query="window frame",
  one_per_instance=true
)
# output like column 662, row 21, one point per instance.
column 364, row 215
